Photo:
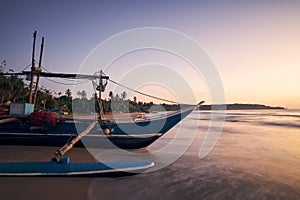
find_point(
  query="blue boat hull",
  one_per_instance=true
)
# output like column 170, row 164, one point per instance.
column 122, row 135
column 90, row 141
column 146, row 127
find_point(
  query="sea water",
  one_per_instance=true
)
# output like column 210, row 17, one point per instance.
column 257, row 156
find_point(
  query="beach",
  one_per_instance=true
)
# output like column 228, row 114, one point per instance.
column 256, row 157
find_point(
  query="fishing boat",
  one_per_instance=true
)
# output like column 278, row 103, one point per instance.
column 46, row 129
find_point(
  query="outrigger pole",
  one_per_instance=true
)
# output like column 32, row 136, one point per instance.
column 58, row 155
column 59, row 75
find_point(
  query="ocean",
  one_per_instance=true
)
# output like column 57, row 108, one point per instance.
column 257, row 156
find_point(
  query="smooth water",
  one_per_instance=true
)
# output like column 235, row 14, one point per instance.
column 256, row 157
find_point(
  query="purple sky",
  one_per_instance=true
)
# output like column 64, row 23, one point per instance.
column 255, row 45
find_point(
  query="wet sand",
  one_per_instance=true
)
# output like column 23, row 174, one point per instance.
column 42, row 187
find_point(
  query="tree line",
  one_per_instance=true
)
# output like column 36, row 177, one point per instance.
column 13, row 89
column 118, row 103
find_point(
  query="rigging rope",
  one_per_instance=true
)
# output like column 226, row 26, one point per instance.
column 148, row 95
column 57, row 82
column 76, row 82
column 27, row 66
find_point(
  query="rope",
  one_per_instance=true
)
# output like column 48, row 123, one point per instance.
column 27, row 66
column 148, row 95
column 57, row 82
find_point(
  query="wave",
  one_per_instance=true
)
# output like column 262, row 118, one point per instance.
column 284, row 124
column 255, row 113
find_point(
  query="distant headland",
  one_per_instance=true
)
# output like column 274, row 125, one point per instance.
column 238, row 106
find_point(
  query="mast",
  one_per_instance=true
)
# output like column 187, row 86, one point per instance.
column 99, row 86
column 39, row 69
column 101, row 113
column 32, row 68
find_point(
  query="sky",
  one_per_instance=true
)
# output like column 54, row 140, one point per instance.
column 254, row 45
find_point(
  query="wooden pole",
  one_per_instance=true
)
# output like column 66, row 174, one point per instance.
column 38, row 75
column 32, row 68
column 59, row 75
column 58, row 155
column 101, row 114
column 7, row 120
column 99, row 101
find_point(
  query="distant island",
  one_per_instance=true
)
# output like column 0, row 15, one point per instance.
column 238, row 106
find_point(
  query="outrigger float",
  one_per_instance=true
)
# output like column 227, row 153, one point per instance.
column 61, row 166
column 20, row 130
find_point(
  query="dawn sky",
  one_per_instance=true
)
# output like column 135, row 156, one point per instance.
column 255, row 45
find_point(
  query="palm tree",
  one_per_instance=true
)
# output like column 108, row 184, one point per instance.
column 123, row 95
column 83, row 94
column 2, row 66
column 111, row 95
column 79, row 93
column 68, row 93
column 117, row 97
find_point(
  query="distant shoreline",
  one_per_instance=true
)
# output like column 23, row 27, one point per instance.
column 239, row 106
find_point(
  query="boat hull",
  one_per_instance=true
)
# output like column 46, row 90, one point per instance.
column 121, row 135
column 160, row 125
column 89, row 141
